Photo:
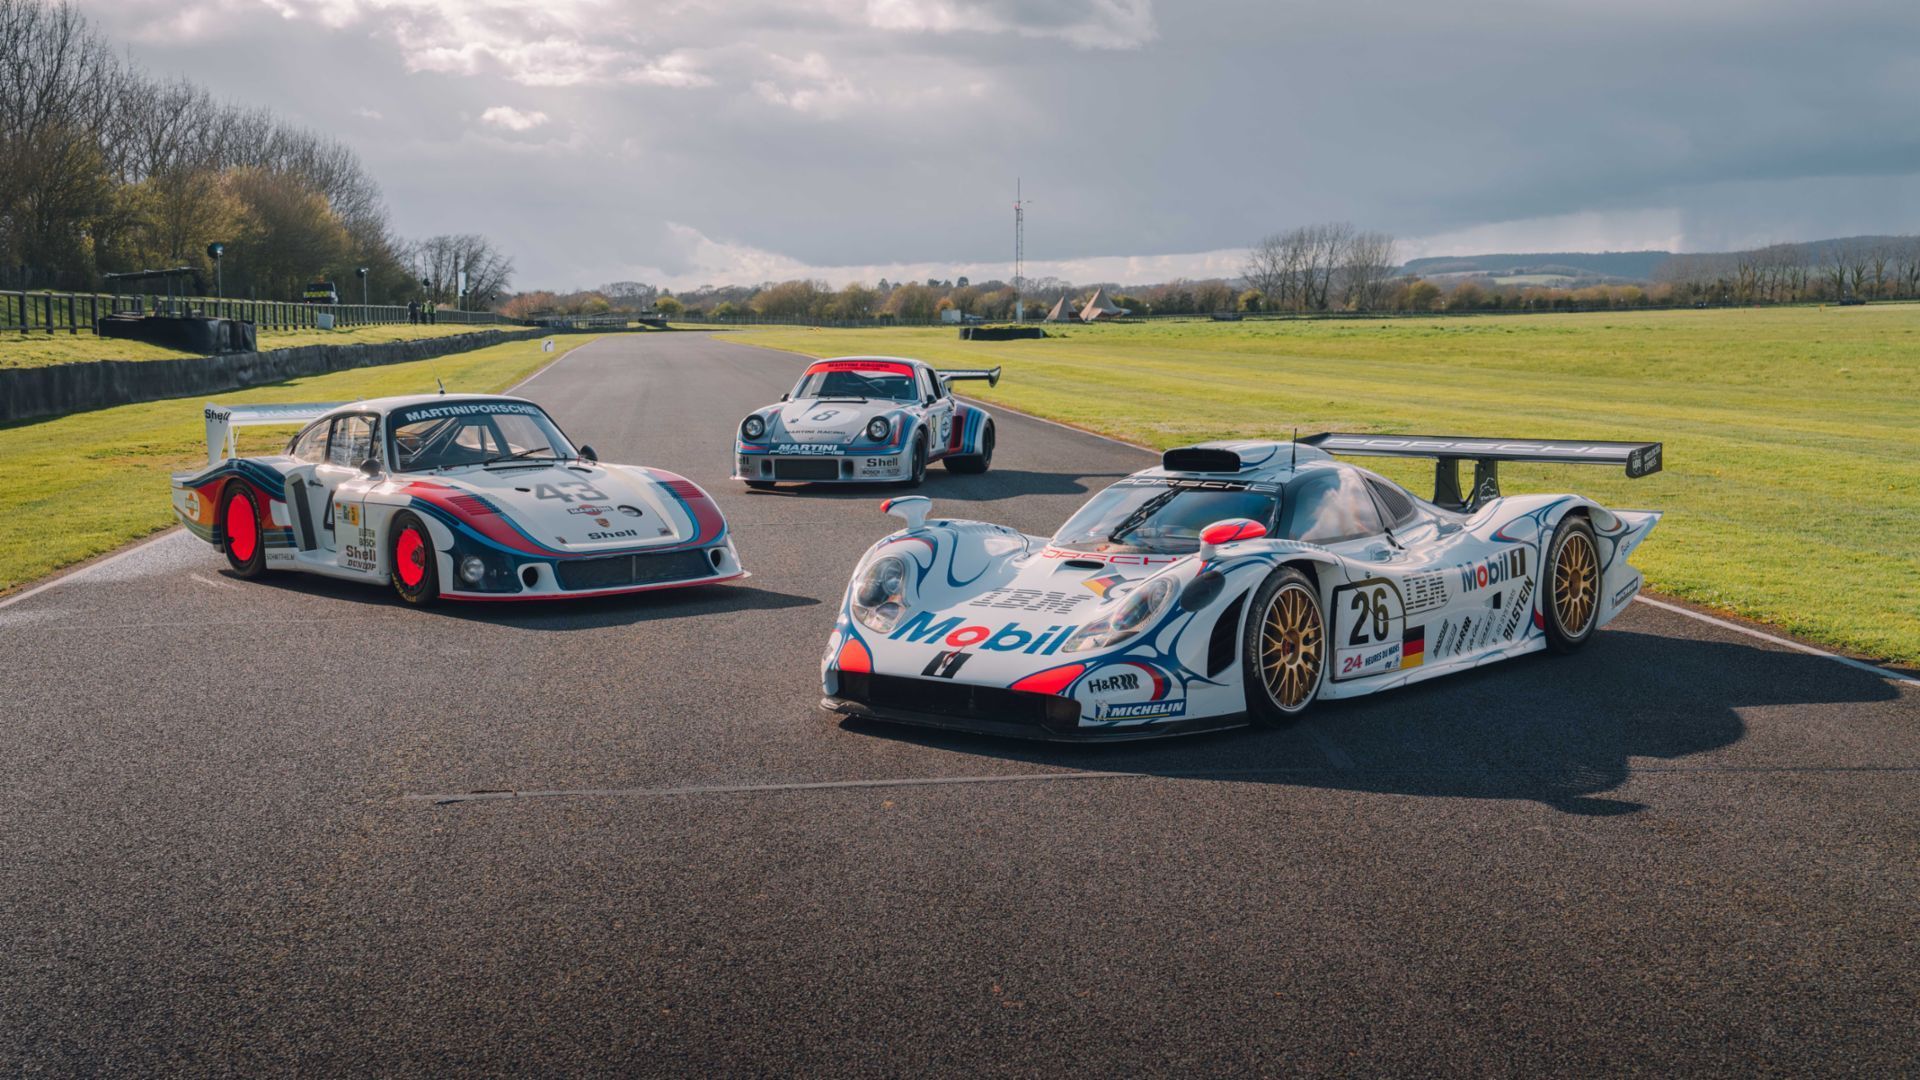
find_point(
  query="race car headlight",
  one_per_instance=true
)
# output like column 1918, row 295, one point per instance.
column 880, row 593
column 1134, row 614
column 753, row 427
column 472, row 569
column 878, row 429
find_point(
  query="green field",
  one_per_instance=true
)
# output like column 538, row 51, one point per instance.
column 40, row 349
column 1792, row 490
column 81, row 485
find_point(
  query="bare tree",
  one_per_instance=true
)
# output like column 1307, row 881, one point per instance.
column 1369, row 264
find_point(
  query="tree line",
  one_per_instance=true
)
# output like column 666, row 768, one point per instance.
column 104, row 168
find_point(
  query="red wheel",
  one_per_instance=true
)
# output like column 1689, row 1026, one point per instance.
column 416, row 566
column 240, row 524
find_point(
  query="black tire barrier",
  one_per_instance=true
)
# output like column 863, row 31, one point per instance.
column 1000, row 333
column 60, row 389
column 187, row 333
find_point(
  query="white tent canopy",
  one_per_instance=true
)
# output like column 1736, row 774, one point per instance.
column 1100, row 308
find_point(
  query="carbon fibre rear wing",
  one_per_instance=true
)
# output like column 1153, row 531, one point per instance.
column 948, row 375
column 222, row 419
column 1639, row 459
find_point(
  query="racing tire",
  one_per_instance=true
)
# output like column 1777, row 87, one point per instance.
column 1570, row 585
column 975, row 463
column 416, row 566
column 760, row 485
column 919, row 475
column 1283, row 651
column 245, row 548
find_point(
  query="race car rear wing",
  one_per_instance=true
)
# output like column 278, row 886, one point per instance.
column 222, row 419
column 948, row 375
column 1639, row 459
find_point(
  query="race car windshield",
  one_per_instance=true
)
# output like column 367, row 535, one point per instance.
column 887, row 385
column 1161, row 517
column 428, row 437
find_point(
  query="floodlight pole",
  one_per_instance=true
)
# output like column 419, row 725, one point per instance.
column 1019, row 253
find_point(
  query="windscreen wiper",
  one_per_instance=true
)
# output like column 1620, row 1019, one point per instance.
column 521, row 457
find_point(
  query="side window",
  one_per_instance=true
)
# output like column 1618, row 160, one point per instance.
column 310, row 445
column 929, row 386
column 1328, row 506
column 1393, row 501
column 352, row 441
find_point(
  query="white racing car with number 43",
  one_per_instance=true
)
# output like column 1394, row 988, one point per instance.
column 1237, row 582
column 467, row 497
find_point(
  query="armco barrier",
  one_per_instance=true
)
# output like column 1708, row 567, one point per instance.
column 33, row 393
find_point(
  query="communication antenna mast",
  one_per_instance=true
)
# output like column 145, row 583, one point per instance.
column 1019, row 253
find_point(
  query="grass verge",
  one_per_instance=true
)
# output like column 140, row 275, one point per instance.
column 1792, row 494
column 40, row 350
column 78, row 486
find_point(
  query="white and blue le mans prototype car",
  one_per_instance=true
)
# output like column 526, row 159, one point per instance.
column 1237, row 582
column 468, row 497
column 866, row 418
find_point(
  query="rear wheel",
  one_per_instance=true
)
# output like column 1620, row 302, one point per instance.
column 416, row 566
column 975, row 463
column 246, row 549
column 1284, row 649
column 1571, row 585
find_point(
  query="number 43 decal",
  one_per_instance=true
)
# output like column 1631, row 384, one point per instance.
column 569, row 490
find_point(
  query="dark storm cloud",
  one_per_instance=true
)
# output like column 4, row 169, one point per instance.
column 705, row 142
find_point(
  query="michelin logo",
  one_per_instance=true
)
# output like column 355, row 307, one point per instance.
column 1145, row 710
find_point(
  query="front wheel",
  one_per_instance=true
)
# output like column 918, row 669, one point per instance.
column 919, row 461
column 1571, row 585
column 975, row 463
column 1284, row 648
column 416, row 566
column 245, row 548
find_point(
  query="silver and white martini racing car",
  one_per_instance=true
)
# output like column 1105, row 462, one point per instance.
column 1237, row 582
column 866, row 418
column 471, row 497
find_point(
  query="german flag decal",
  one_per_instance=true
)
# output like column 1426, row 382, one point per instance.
column 1413, row 647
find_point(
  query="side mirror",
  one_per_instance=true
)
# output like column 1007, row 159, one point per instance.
column 784, row 397
column 370, row 468
column 1226, row 532
column 587, row 454
column 913, row 509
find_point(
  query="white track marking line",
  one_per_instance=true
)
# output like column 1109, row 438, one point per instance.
column 544, row 368
column 1892, row 676
column 1338, row 758
column 168, row 533
column 452, row 798
column 992, row 405
column 212, row 583
column 71, row 575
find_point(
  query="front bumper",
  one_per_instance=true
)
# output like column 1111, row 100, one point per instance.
column 989, row 711
column 510, row 578
column 850, row 468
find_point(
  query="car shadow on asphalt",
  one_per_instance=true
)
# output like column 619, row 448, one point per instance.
column 993, row 486
column 1558, row 730
column 559, row 614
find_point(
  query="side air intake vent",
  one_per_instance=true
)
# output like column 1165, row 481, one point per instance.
column 1200, row 459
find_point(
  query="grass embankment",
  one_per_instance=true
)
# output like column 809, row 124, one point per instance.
column 1792, row 436
column 77, row 486
column 40, row 349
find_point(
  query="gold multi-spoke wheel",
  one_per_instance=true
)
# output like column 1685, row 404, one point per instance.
column 1288, row 647
column 1574, row 581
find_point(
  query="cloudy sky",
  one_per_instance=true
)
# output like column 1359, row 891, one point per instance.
column 685, row 143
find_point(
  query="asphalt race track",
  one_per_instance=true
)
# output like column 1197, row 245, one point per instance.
column 223, row 845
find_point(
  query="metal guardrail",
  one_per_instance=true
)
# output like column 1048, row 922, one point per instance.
column 26, row 312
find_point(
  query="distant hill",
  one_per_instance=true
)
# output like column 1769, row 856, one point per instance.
column 1581, row 265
